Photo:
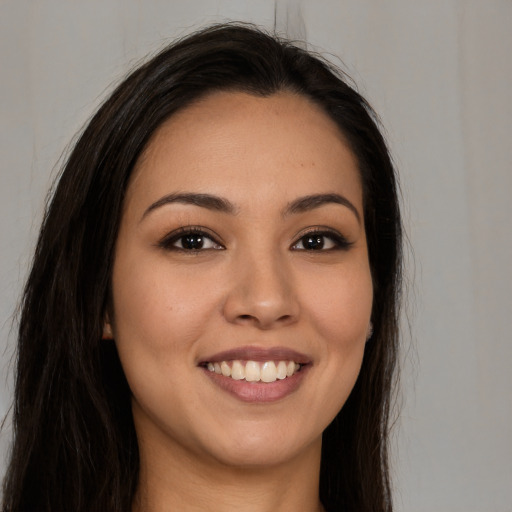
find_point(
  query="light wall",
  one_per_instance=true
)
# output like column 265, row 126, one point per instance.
column 439, row 73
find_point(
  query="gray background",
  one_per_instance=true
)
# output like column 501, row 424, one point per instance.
column 439, row 72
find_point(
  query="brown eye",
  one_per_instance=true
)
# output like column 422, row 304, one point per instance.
column 321, row 241
column 192, row 242
column 313, row 242
column 189, row 241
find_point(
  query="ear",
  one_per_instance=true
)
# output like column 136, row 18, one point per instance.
column 369, row 333
column 107, row 329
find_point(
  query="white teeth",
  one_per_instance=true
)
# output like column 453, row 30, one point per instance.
column 225, row 369
column 269, row 372
column 253, row 371
column 281, row 370
column 237, row 371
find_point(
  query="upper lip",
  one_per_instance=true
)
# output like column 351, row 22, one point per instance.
column 260, row 354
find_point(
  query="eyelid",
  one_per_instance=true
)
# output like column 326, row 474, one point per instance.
column 167, row 241
column 339, row 239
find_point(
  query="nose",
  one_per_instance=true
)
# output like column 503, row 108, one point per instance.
column 262, row 293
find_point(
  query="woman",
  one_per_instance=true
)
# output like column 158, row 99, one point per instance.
column 210, row 322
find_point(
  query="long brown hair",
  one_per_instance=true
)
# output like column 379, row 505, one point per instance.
column 75, row 446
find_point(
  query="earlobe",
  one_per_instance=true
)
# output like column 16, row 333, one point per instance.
column 369, row 333
column 107, row 330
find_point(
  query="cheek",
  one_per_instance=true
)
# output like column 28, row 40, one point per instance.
column 158, row 317
column 340, row 304
column 340, row 309
column 158, row 308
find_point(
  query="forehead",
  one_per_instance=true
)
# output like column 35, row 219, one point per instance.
column 234, row 143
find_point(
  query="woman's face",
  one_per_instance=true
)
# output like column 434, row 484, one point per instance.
column 241, row 250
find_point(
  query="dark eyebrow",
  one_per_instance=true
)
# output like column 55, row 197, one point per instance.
column 208, row 201
column 307, row 203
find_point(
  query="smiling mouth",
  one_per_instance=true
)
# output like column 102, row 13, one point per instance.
column 254, row 371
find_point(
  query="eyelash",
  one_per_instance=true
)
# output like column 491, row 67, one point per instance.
column 169, row 240
column 338, row 240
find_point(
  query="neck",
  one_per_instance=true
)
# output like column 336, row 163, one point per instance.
column 193, row 483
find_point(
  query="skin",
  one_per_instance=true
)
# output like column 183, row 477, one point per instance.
column 202, row 448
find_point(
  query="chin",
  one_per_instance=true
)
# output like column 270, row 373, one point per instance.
column 262, row 449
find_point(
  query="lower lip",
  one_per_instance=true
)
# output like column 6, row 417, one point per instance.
column 259, row 392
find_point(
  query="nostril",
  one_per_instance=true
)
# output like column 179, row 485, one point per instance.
column 251, row 318
column 263, row 312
